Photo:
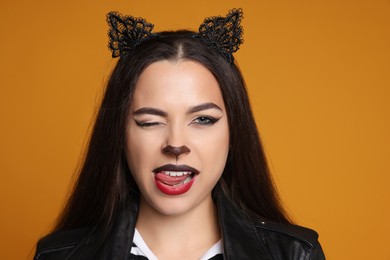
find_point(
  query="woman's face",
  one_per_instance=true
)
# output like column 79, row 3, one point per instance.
column 177, row 137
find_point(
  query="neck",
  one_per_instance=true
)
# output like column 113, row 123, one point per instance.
column 179, row 235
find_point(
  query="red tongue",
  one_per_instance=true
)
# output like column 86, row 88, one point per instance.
column 170, row 180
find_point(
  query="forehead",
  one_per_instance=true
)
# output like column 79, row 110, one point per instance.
column 176, row 83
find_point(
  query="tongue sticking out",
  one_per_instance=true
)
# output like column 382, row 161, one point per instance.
column 172, row 180
column 174, row 185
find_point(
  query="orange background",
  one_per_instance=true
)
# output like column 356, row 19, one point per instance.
column 318, row 77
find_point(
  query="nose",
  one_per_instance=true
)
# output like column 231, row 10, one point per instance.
column 176, row 150
column 175, row 140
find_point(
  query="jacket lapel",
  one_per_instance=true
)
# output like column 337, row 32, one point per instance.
column 123, row 234
column 119, row 244
column 240, row 240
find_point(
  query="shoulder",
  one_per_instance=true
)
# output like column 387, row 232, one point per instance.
column 247, row 237
column 285, row 240
column 286, row 231
column 60, row 244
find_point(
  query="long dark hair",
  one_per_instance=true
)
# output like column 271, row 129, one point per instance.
column 105, row 183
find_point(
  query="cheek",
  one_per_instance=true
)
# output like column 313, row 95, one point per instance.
column 213, row 150
column 140, row 149
column 221, row 150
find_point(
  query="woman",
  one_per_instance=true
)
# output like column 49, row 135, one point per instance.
column 174, row 167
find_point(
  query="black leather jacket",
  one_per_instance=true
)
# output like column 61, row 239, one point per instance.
column 242, row 239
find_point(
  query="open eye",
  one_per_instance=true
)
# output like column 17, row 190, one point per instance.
column 205, row 120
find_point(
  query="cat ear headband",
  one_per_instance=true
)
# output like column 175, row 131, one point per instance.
column 221, row 33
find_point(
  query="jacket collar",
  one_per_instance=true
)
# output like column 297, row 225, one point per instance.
column 240, row 239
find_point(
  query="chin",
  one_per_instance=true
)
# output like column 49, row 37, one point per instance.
column 176, row 205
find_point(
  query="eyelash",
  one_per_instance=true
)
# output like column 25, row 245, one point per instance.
column 201, row 120
column 146, row 124
column 209, row 120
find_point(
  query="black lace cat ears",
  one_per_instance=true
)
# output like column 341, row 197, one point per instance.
column 221, row 33
column 126, row 32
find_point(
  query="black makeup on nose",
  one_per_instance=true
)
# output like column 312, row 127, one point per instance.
column 176, row 151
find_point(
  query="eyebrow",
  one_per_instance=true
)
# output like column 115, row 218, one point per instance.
column 159, row 112
column 150, row 111
column 202, row 107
